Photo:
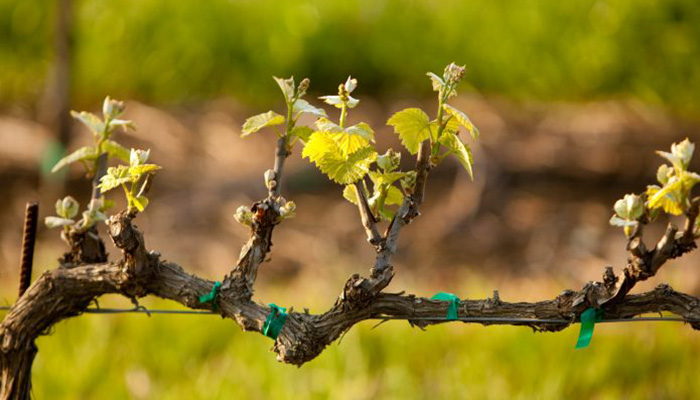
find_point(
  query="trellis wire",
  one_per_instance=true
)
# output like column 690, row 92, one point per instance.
column 143, row 310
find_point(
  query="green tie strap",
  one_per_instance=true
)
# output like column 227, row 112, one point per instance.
column 588, row 320
column 211, row 296
column 452, row 309
column 275, row 321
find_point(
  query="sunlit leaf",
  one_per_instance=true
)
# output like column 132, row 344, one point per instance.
column 413, row 127
column 462, row 119
column 630, row 207
column 437, row 82
column 664, row 173
column 54, row 222
column 138, row 170
column 684, row 151
column 287, row 87
column 140, row 202
column 459, row 149
column 92, row 121
column 85, row 153
column 303, row 106
column 257, row 122
column 394, row 196
column 115, row 150
column 325, row 152
column 302, row 132
column 326, row 125
column 669, row 198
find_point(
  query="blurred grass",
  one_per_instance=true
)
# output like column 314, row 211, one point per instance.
column 203, row 357
column 179, row 51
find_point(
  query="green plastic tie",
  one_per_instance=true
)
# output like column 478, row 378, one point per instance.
column 452, row 309
column 588, row 320
column 275, row 321
column 211, row 296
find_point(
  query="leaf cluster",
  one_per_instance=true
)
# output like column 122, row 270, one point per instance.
column 672, row 195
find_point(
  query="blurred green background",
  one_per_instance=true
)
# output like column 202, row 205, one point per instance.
column 572, row 98
column 174, row 51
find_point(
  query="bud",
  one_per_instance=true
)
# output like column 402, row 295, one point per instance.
column 67, row 208
column 244, row 216
column 287, row 210
column 350, row 84
column 630, row 207
column 139, row 157
column 112, row 108
column 684, row 151
column 454, row 73
column 303, row 87
column 270, row 179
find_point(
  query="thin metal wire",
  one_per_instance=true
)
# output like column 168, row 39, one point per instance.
column 143, row 310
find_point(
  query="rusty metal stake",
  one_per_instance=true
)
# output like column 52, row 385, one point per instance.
column 31, row 217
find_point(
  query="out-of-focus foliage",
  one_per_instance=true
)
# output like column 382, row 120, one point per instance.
column 203, row 357
column 174, row 50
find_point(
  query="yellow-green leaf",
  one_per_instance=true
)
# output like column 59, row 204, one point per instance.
column 462, row 119
column 668, row 198
column 325, row 152
column 140, row 202
column 302, row 132
column 413, row 127
column 459, row 149
column 303, row 106
column 116, row 150
column 92, row 121
column 257, row 122
column 85, row 153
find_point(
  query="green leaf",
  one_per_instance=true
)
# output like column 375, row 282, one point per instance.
column 386, row 178
column 664, row 173
column 437, row 82
column 257, row 122
column 350, row 194
column 319, row 145
column 92, row 121
column 85, row 153
column 115, row 176
column 617, row 221
column 363, row 130
column 303, row 106
column 459, row 149
column 684, row 151
column 630, row 207
column 122, row 123
column 389, row 161
column 338, row 103
column 115, row 150
column 302, row 132
column 326, row 125
column 54, row 222
column 138, row 170
column 669, row 198
column 348, row 140
column 330, row 159
column 140, row 202
column 393, row 196
column 462, row 119
column 287, row 86
column 413, row 127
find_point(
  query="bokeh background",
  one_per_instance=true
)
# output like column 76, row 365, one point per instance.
column 572, row 99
